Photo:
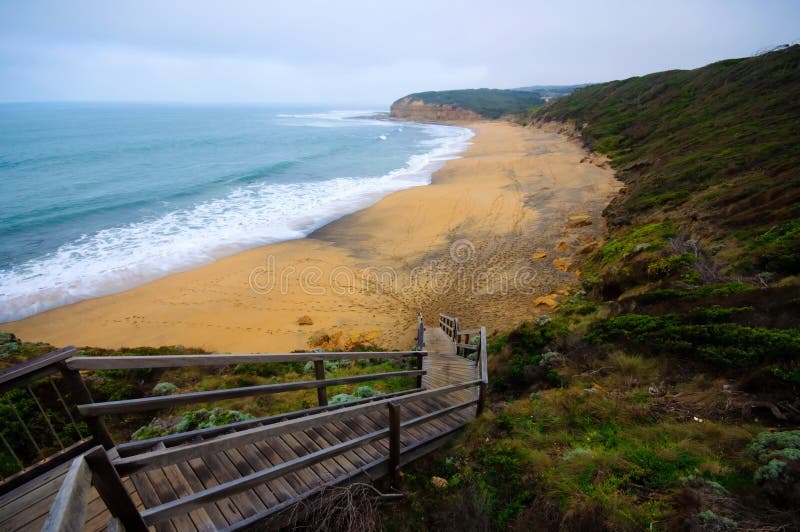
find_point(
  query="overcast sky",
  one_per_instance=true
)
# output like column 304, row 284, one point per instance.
column 364, row 53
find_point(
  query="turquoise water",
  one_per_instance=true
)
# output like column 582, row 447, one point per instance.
column 98, row 198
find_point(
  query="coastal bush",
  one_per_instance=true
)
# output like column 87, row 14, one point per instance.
column 515, row 358
column 164, row 388
column 650, row 237
column 724, row 344
column 778, row 457
column 202, row 419
column 778, row 249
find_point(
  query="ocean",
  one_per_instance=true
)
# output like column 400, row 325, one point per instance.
column 99, row 198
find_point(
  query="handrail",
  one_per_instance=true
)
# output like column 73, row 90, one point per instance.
column 420, row 333
column 179, row 361
column 134, row 447
column 38, row 451
column 92, row 468
column 68, row 510
column 154, row 403
column 162, row 457
column 33, row 369
column 165, row 511
column 104, row 470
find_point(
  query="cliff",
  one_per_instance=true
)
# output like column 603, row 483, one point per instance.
column 467, row 104
column 410, row 109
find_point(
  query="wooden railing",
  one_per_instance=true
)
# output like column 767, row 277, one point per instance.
column 471, row 344
column 104, row 469
column 51, row 390
column 93, row 468
column 321, row 383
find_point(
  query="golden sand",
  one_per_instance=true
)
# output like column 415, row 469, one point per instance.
column 463, row 245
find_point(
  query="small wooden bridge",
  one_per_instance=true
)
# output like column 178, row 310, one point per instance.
column 236, row 476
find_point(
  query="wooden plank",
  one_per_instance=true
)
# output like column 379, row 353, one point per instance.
column 178, row 507
column 227, row 506
column 394, row 443
column 20, row 374
column 68, row 511
column 246, row 501
column 155, row 403
column 45, row 481
column 290, row 450
column 244, row 468
column 111, row 489
column 331, row 435
column 134, row 447
column 200, row 517
column 152, row 459
column 214, row 511
column 372, row 470
column 279, row 487
column 165, row 493
column 21, row 505
column 150, row 498
column 272, row 457
column 326, row 469
column 177, row 361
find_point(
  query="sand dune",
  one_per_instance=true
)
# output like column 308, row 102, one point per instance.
column 463, row 245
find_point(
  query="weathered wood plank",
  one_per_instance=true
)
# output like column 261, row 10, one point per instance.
column 134, row 447
column 42, row 366
column 244, row 468
column 246, row 501
column 112, row 490
column 157, row 458
column 177, row 361
column 68, row 511
column 167, row 510
column 227, row 506
column 213, row 510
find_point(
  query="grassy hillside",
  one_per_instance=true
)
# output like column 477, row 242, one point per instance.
column 714, row 150
column 664, row 394
column 489, row 103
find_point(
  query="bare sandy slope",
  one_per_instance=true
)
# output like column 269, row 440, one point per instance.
column 463, row 245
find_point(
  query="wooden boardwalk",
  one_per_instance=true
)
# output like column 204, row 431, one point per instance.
column 196, row 484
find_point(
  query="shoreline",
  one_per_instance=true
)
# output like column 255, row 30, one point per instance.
column 507, row 198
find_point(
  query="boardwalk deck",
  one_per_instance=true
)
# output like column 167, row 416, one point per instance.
column 26, row 507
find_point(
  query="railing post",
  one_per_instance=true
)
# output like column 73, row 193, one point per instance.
column 111, row 489
column 419, row 367
column 483, row 388
column 420, row 333
column 394, row 442
column 81, row 394
column 322, row 391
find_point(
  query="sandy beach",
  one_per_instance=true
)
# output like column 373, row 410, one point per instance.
column 492, row 240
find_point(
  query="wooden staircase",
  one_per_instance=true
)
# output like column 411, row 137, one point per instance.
column 239, row 475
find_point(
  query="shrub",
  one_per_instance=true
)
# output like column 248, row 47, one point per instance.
column 164, row 388
column 202, row 419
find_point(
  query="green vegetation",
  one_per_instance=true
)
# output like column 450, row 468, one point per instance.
column 714, row 151
column 114, row 385
column 489, row 103
column 664, row 394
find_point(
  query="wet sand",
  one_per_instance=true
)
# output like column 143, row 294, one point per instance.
column 465, row 246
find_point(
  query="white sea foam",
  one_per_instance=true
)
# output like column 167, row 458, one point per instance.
column 122, row 257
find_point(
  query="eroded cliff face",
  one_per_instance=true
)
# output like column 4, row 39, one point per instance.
column 409, row 109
